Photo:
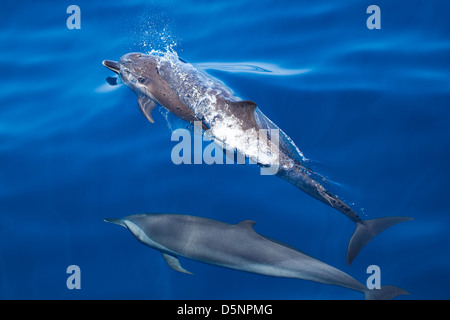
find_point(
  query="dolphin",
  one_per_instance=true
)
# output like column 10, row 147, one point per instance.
column 237, row 247
column 198, row 98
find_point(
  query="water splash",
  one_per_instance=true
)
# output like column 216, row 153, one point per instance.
column 153, row 38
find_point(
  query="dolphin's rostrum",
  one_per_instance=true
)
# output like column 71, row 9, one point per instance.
column 237, row 247
column 195, row 96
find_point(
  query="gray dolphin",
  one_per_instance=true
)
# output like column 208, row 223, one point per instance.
column 193, row 95
column 236, row 247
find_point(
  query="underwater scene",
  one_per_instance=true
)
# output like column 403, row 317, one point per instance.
column 224, row 150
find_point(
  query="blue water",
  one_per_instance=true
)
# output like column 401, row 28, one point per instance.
column 371, row 111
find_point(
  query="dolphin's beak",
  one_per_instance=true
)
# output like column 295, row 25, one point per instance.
column 111, row 65
column 116, row 221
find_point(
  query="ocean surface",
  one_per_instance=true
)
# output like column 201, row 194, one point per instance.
column 370, row 108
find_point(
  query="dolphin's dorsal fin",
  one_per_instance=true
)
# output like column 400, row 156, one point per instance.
column 247, row 224
column 244, row 110
column 246, row 104
column 174, row 263
column 146, row 105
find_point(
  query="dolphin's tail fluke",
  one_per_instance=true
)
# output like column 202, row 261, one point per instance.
column 384, row 293
column 366, row 230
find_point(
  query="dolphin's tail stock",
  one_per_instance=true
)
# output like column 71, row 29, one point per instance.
column 366, row 230
column 384, row 293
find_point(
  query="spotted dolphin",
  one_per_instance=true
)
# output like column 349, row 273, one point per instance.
column 236, row 247
column 198, row 98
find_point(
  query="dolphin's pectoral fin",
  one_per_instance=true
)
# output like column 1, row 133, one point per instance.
column 112, row 81
column 244, row 110
column 146, row 105
column 174, row 263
